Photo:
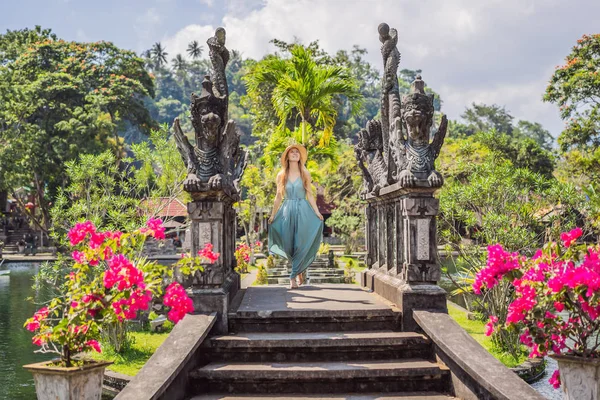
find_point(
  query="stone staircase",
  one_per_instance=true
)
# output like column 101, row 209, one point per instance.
column 320, row 271
column 329, row 354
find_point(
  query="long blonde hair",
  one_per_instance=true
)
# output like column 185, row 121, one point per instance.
column 282, row 177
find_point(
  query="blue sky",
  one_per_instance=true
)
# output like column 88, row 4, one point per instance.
column 491, row 51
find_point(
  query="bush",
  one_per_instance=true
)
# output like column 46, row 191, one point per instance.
column 349, row 271
column 270, row 262
column 261, row 276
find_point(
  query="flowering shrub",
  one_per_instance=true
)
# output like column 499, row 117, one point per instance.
column 108, row 283
column 242, row 256
column 557, row 297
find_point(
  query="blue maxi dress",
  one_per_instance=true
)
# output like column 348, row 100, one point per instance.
column 296, row 232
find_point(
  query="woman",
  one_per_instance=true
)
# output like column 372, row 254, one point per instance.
column 297, row 227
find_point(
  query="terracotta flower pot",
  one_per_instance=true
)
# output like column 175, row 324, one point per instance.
column 74, row 383
column 580, row 377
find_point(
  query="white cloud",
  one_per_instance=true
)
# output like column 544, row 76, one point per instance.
column 146, row 23
column 178, row 44
column 495, row 51
column 208, row 3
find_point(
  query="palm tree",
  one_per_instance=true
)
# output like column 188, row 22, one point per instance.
column 194, row 49
column 159, row 54
column 179, row 63
column 148, row 61
column 304, row 90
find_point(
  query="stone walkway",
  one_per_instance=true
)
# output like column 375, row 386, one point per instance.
column 332, row 297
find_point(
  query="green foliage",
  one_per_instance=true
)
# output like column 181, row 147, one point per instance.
column 261, row 275
column 484, row 118
column 60, row 99
column 270, row 262
column 110, row 193
column 342, row 188
column 301, row 92
column 476, row 329
column 323, row 248
column 522, row 152
column 130, row 361
column 487, row 200
column 349, row 271
column 575, row 88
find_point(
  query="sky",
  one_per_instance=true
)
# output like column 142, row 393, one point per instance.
column 485, row 51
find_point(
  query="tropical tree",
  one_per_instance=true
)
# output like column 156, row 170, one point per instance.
column 194, row 50
column 159, row 54
column 575, row 88
column 179, row 63
column 61, row 99
column 301, row 92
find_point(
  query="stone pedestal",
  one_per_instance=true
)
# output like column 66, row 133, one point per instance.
column 213, row 221
column 402, row 257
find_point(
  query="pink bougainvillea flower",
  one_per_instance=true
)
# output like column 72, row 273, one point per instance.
column 558, row 306
column 79, row 257
column 499, row 263
column 207, row 252
column 39, row 316
column 94, row 345
column 97, row 239
column 78, row 233
column 489, row 327
column 38, row 340
column 154, row 228
column 122, row 273
column 180, row 303
column 568, row 238
column 555, row 379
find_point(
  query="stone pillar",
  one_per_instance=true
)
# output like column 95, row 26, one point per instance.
column 407, row 242
column 213, row 221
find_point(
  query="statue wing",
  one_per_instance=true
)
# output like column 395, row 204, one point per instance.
column 440, row 135
column 230, row 153
column 183, row 145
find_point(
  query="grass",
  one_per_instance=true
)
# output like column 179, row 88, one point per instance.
column 356, row 266
column 133, row 359
column 476, row 330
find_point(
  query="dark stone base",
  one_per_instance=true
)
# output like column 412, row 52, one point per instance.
column 217, row 300
column 406, row 296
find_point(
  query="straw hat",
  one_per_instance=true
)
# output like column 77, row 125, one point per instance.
column 300, row 148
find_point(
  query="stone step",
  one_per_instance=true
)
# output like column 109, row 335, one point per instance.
column 315, row 320
column 410, row 375
column 311, row 274
column 329, row 396
column 312, row 280
column 310, row 271
column 320, row 346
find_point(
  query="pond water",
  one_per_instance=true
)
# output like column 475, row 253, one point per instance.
column 16, row 349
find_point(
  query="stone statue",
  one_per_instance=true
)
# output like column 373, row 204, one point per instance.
column 216, row 163
column 390, row 92
column 409, row 139
column 369, row 150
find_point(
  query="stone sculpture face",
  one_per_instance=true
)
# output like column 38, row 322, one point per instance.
column 417, row 113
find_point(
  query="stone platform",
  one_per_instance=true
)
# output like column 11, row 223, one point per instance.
column 324, row 298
